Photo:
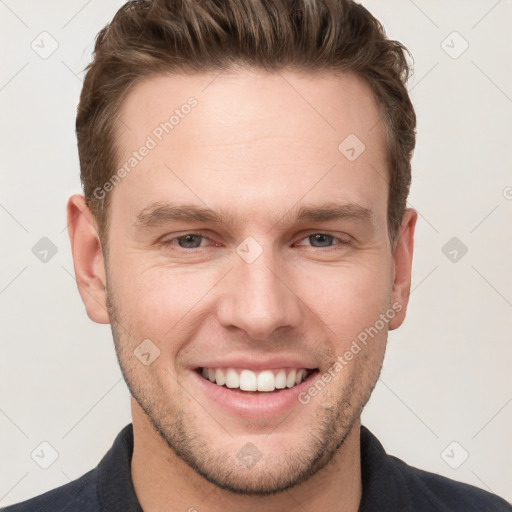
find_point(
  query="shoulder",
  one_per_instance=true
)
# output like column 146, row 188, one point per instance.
column 80, row 494
column 390, row 484
column 457, row 495
column 107, row 487
column 445, row 494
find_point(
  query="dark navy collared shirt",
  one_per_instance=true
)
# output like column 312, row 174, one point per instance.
column 389, row 485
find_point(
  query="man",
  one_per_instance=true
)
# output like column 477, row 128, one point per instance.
column 244, row 231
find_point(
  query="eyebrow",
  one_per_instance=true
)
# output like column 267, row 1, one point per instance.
column 161, row 213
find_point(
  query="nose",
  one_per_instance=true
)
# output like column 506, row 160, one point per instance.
column 259, row 298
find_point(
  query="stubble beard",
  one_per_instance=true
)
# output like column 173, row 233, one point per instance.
column 273, row 473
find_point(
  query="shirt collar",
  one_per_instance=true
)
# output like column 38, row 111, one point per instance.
column 384, row 484
column 115, row 486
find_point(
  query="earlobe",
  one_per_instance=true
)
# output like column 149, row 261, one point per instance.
column 402, row 264
column 88, row 258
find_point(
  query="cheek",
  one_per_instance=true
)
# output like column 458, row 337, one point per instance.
column 347, row 298
column 160, row 301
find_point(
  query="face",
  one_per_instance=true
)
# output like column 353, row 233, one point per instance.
column 248, row 248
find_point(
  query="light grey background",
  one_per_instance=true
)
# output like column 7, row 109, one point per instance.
column 447, row 375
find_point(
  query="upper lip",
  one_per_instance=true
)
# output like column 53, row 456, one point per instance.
column 253, row 363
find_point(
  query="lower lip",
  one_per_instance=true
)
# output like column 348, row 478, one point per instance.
column 253, row 405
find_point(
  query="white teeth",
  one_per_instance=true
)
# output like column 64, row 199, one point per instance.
column 232, row 379
column 220, row 378
column 247, row 380
column 266, row 381
column 281, row 379
column 290, row 380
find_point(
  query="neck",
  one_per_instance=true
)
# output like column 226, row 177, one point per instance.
column 161, row 478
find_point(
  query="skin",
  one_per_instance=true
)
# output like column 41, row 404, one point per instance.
column 252, row 146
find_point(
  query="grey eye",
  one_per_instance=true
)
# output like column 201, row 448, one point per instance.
column 190, row 241
column 322, row 239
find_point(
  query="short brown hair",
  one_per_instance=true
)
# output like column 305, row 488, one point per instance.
column 151, row 37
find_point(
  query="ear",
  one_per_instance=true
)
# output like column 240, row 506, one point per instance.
column 88, row 259
column 402, row 264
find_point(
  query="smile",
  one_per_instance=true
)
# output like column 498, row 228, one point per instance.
column 248, row 380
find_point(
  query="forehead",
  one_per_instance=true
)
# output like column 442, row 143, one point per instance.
column 315, row 104
column 241, row 138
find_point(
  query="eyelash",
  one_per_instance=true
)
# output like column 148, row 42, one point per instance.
column 169, row 242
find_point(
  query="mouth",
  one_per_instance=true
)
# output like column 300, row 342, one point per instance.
column 261, row 391
column 247, row 381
